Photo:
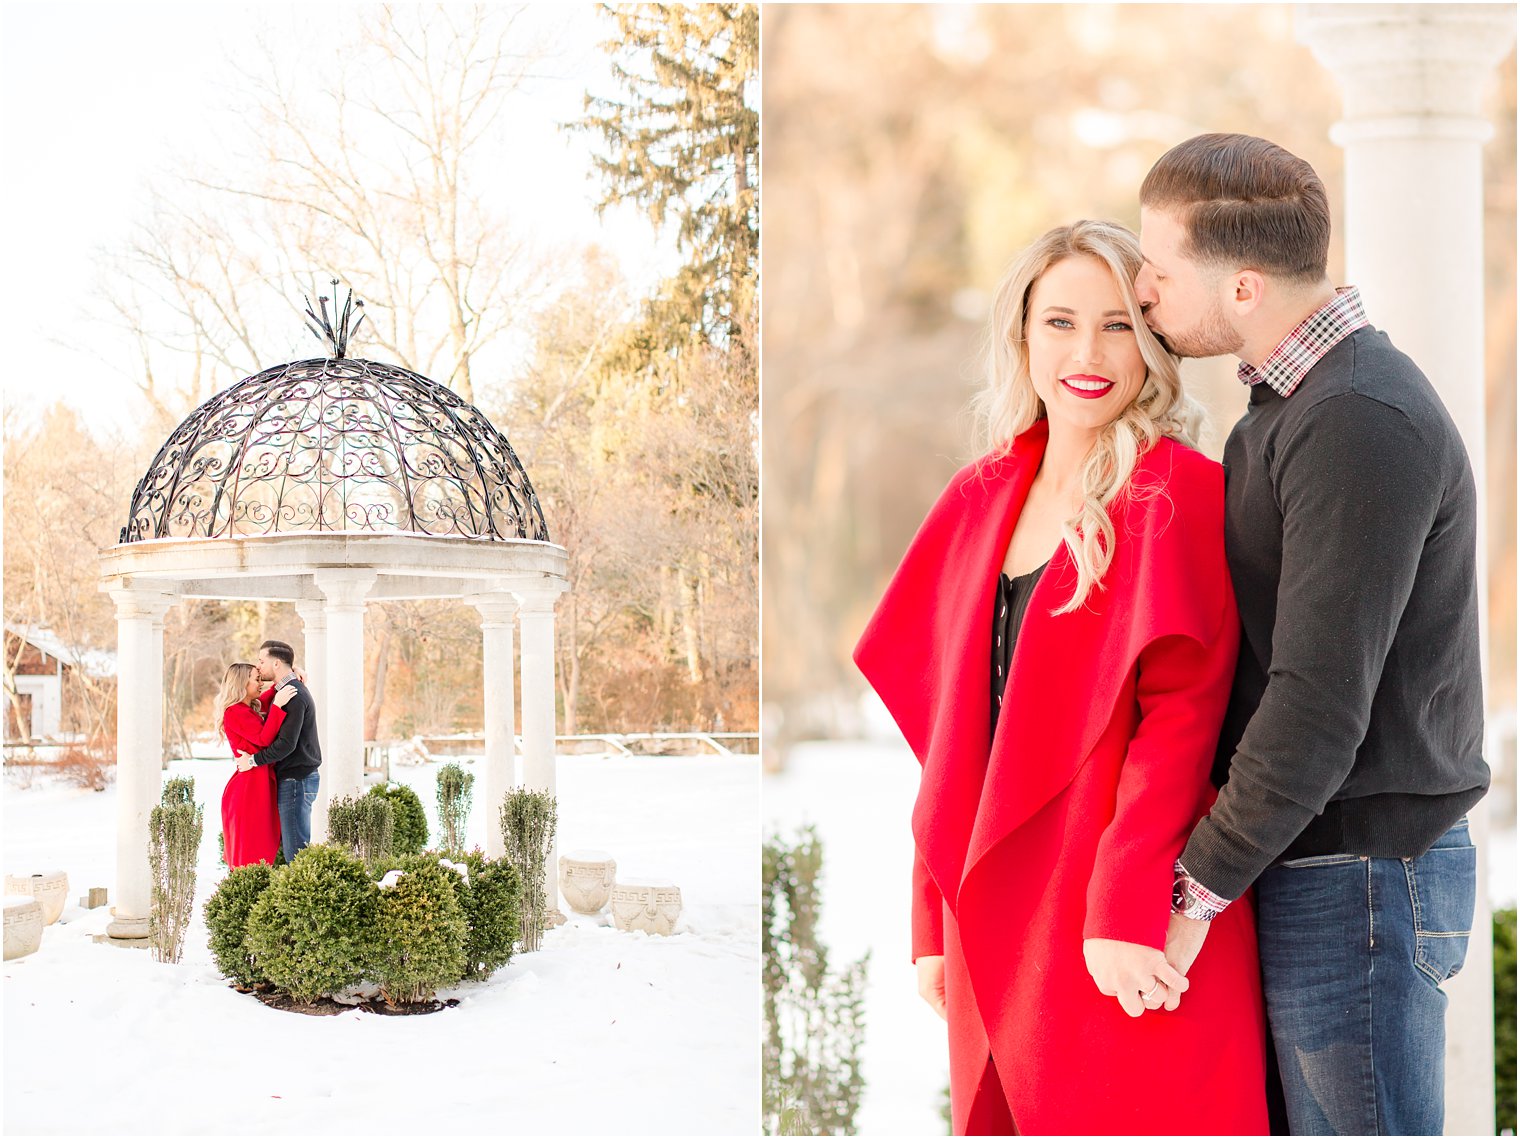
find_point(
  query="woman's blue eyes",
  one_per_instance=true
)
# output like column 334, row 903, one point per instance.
column 1111, row 326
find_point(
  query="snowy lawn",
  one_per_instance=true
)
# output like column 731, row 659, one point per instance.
column 860, row 796
column 600, row 1032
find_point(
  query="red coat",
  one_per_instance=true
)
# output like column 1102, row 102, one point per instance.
column 250, row 803
column 1066, row 825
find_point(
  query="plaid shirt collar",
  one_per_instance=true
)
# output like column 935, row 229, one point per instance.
column 1307, row 344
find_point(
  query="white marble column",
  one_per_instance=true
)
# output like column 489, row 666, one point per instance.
column 341, row 726
column 1413, row 77
column 497, row 611
column 139, row 750
column 537, row 618
column 313, row 662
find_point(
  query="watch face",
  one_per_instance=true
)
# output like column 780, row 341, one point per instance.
column 1179, row 895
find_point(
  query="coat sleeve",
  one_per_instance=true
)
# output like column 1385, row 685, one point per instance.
column 928, row 911
column 246, row 732
column 1182, row 689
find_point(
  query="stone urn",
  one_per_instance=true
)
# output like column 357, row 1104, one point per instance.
column 51, row 891
column 646, row 904
column 23, row 925
column 585, row 879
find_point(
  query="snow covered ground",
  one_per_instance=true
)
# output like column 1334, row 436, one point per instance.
column 860, row 797
column 601, row 1032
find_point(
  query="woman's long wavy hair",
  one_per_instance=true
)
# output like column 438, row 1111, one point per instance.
column 234, row 691
column 1008, row 405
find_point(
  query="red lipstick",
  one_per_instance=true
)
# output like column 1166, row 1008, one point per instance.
column 1087, row 387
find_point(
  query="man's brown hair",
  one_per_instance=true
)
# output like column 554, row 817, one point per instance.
column 1244, row 201
column 280, row 651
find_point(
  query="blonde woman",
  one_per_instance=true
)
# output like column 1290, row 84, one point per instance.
column 250, row 810
column 1057, row 647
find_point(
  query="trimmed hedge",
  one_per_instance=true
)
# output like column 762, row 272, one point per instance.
column 492, row 900
column 227, row 913
column 422, row 932
column 314, row 930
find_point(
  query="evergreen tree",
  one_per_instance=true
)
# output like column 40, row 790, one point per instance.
column 684, row 144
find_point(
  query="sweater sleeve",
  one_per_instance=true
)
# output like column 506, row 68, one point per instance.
column 289, row 733
column 1358, row 494
column 928, row 912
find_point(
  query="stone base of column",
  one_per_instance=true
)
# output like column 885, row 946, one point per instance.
column 130, row 933
column 554, row 918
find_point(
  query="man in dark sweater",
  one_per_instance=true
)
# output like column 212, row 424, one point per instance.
column 295, row 753
column 1352, row 748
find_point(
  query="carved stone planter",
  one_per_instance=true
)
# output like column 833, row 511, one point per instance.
column 23, row 926
column 51, row 891
column 646, row 905
column 586, row 878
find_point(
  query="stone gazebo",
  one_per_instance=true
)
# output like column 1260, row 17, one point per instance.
column 331, row 483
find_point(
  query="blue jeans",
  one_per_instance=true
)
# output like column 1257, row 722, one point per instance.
column 1353, row 953
column 296, row 798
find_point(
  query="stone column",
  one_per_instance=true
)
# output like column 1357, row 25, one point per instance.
column 497, row 611
column 139, row 751
column 1413, row 78
column 341, row 726
column 313, row 660
column 537, row 617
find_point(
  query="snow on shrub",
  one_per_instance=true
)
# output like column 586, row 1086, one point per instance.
column 314, row 930
column 227, row 913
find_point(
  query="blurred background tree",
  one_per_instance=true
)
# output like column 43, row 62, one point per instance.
column 912, row 152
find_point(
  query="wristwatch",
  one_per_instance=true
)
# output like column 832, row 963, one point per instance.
column 1192, row 900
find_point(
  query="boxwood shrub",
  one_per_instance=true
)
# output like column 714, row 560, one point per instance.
column 227, row 913
column 422, row 932
column 314, row 930
column 492, row 901
column 409, row 834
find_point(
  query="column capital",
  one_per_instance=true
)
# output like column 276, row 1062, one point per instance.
column 344, row 587
column 1409, row 70
column 495, row 608
column 542, row 596
column 312, row 611
column 137, row 603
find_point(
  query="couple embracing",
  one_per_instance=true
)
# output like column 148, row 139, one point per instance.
column 273, row 733
column 1198, row 742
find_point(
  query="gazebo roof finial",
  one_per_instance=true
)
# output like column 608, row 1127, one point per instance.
column 322, row 328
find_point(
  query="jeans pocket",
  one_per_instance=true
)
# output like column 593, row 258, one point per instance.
column 1443, row 889
column 1321, row 860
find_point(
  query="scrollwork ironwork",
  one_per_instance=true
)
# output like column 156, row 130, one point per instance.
column 335, row 445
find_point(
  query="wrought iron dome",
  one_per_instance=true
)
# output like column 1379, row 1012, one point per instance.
column 335, row 445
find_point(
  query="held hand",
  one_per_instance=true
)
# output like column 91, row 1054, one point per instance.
column 284, row 696
column 1128, row 972
column 300, row 674
column 931, row 983
column 244, row 761
column 1184, row 938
